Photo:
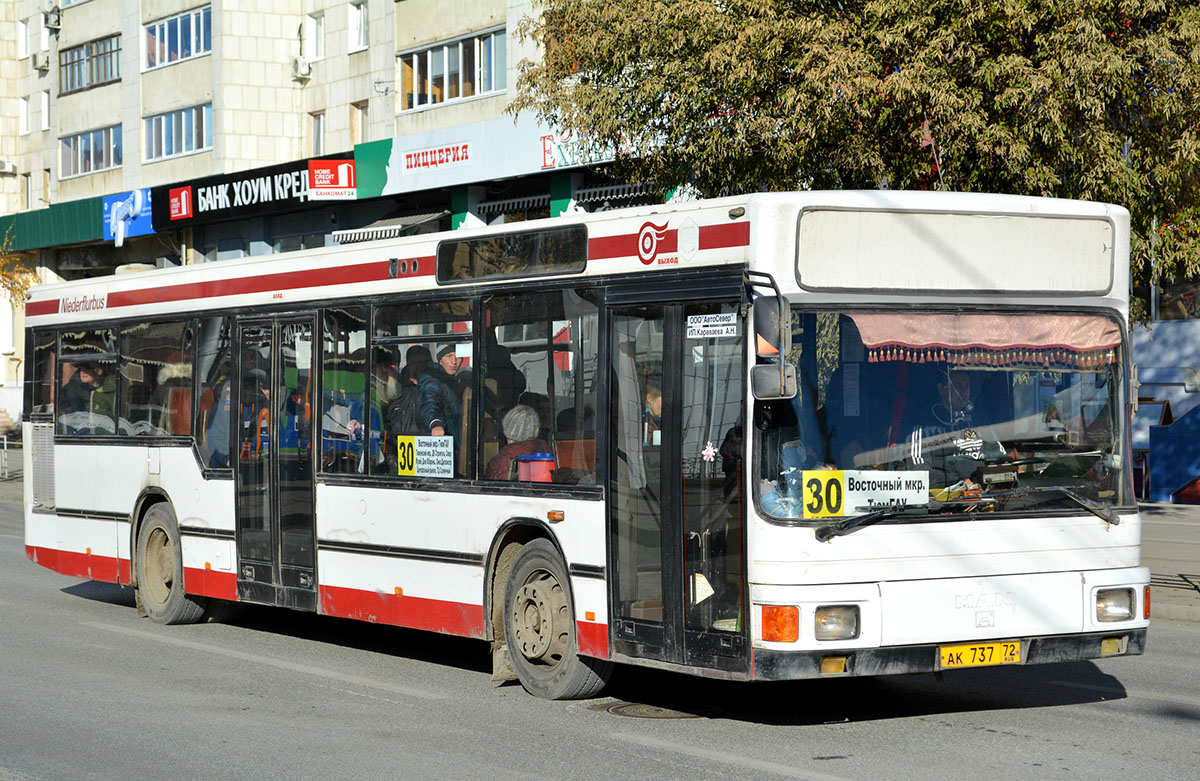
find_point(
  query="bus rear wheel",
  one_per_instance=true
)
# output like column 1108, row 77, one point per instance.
column 539, row 628
column 160, row 570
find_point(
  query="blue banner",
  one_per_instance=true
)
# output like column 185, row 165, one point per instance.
column 127, row 214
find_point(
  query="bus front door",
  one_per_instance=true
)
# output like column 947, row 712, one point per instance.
column 676, row 517
column 276, row 531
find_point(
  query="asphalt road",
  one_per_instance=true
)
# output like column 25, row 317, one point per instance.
column 89, row 690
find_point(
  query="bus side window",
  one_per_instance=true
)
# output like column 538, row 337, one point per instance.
column 156, row 369
column 213, row 366
column 87, row 397
column 44, row 388
column 426, row 345
column 343, row 388
column 539, row 354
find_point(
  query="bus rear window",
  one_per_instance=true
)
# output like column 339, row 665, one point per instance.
column 529, row 253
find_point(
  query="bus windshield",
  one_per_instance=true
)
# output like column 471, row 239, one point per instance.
column 945, row 413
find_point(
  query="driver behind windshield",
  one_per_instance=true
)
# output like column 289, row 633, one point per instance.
column 947, row 426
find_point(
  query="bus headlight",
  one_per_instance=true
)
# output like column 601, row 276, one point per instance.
column 836, row 622
column 1114, row 604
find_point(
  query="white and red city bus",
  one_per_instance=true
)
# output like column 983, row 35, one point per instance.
column 765, row 437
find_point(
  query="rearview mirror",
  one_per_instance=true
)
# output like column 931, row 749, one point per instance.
column 772, row 327
column 773, row 381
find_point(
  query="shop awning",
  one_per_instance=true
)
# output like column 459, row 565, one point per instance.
column 611, row 192
column 390, row 228
column 521, row 203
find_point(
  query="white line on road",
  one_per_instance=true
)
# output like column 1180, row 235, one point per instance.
column 1140, row 694
column 737, row 760
column 279, row 663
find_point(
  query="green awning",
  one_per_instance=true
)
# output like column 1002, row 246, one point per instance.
column 73, row 222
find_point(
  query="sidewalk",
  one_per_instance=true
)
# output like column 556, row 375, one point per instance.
column 1171, row 549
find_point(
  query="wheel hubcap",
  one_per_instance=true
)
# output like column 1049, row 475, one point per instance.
column 540, row 619
column 159, row 573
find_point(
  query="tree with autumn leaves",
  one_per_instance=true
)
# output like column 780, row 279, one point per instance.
column 17, row 273
column 1087, row 99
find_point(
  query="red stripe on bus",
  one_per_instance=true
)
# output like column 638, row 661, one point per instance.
column 34, row 308
column 210, row 583
column 603, row 247
column 287, row 280
column 592, row 639
column 733, row 234
column 76, row 565
column 455, row 618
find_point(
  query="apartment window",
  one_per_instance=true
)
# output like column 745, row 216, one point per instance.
column 22, row 39
column 89, row 64
column 357, row 25
column 179, row 132
column 23, row 116
column 314, row 36
column 43, row 34
column 453, row 71
column 26, row 191
column 358, row 123
column 316, row 126
column 46, row 186
column 45, row 101
column 178, row 38
column 85, row 153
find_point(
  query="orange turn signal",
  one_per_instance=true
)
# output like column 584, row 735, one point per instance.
column 554, row 516
column 780, row 623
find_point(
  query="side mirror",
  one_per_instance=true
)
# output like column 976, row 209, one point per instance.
column 772, row 327
column 773, row 381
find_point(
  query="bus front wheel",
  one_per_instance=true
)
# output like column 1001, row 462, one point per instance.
column 160, row 570
column 539, row 629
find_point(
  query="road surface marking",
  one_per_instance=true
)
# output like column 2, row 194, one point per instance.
column 739, row 760
column 1138, row 693
column 278, row 663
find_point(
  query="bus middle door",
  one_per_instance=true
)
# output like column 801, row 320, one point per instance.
column 276, row 527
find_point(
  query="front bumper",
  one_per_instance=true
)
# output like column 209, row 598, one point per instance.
column 772, row 665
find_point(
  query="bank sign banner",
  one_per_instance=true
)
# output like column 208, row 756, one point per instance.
column 331, row 180
column 127, row 214
column 273, row 189
column 479, row 152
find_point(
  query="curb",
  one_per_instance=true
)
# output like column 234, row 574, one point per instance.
column 1190, row 613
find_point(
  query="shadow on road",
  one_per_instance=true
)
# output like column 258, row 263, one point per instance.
column 457, row 652
column 792, row 703
column 798, row 703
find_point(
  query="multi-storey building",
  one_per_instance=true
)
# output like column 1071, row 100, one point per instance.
column 143, row 125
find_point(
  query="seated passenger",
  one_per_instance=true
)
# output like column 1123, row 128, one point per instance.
column 520, row 425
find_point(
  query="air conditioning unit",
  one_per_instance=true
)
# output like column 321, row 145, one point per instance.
column 52, row 19
column 8, row 167
column 301, row 69
column 41, row 61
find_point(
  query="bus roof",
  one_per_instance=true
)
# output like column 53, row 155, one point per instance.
column 923, row 235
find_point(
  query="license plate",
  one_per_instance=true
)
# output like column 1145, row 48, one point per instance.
column 980, row 654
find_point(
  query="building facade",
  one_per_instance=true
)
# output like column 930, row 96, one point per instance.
column 116, row 114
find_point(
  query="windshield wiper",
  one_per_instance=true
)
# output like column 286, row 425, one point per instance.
column 1102, row 512
column 854, row 522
